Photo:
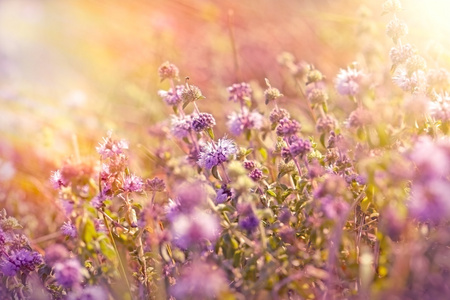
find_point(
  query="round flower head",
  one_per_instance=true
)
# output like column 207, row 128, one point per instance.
column 396, row 29
column 194, row 228
column 180, row 126
column 203, row 121
column 223, row 194
column 55, row 253
column 277, row 114
column 256, row 175
column 288, row 127
column 299, row 147
column 191, row 283
column 401, row 53
column 23, row 260
column 170, row 97
column 239, row 92
column 440, row 108
column 89, row 293
column 168, row 71
column 325, row 124
column 68, row 273
column 238, row 122
column 348, row 81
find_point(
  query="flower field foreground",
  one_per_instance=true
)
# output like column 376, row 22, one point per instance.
column 346, row 197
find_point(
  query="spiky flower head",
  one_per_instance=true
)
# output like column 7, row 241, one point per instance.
column 155, row 185
column 213, row 154
column 191, row 93
column 348, row 81
column 68, row 229
column 168, row 71
column 132, row 183
column 111, row 147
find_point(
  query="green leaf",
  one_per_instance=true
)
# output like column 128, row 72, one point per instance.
column 210, row 133
column 88, row 231
column 263, row 153
column 215, row 173
column 322, row 139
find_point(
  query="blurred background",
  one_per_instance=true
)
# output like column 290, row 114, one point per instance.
column 72, row 70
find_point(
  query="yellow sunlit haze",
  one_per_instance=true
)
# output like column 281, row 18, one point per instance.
column 428, row 19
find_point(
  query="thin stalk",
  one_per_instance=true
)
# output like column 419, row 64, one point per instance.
column 122, row 268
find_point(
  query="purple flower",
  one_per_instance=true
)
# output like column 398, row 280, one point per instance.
column 199, row 281
column 180, row 126
column 132, row 183
column 431, row 158
column 203, row 121
column 57, row 180
column 89, row 293
column 68, row 273
column 191, row 196
column 98, row 201
column 55, row 253
column 348, row 81
column 401, row 53
column 168, row 71
column 440, row 108
column 299, row 147
column 213, row 154
column 249, row 165
column 239, row 92
column 23, row 260
column 3, row 239
column 256, row 175
column 414, row 83
column 155, row 185
column 68, row 229
column 223, row 194
column 250, row 222
column 334, row 207
column 194, row 228
column 110, row 147
column 277, row 114
column 429, row 201
column 288, row 127
column 170, row 97
column 238, row 122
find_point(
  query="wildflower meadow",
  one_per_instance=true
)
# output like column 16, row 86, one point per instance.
column 224, row 150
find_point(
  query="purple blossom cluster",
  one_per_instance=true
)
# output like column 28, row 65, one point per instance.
column 239, row 92
column 212, row 154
